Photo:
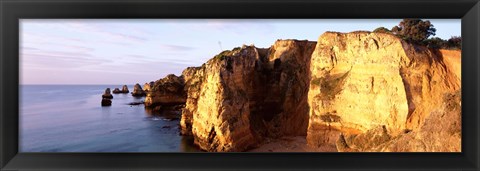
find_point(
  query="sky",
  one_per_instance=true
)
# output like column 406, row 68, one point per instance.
column 129, row 51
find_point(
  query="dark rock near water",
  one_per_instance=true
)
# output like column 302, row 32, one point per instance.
column 106, row 102
column 116, row 91
column 135, row 103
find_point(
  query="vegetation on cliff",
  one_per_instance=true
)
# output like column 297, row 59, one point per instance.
column 418, row 31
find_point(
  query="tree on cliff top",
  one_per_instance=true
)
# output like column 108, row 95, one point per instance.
column 455, row 41
column 414, row 30
column 382, row 30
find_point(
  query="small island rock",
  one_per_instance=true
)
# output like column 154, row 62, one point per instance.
column 106, row 102
column 107, row 94
column 116, row 91
column 138, row 91
column 125, row 89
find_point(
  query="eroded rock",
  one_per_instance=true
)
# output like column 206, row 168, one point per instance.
column 148, row 86
column 138, row 91
column 107, row 95
column 116, row 91
column 125, row 89
column 243, row 95
column 106, row 102
column 361, row 80
column 167, row 91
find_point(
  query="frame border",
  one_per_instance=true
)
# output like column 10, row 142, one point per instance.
column 13, row 10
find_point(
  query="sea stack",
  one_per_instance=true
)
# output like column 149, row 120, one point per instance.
column 116, row 91
column 106, row 102
column 138, row 91
column 107, row 94
column 125, row 89
column 106, row 98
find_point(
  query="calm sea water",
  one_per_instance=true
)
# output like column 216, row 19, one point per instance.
column 69, row 118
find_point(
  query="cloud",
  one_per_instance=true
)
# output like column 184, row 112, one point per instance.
column 107, row 32
column 57, row 59
column 33, row 38
column 135, row 56
column 47, row 46
column 176, row 47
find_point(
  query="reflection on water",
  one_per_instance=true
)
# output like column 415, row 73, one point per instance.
column 71, row 119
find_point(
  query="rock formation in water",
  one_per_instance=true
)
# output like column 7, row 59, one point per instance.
column 107, row 95
column 168, row 91
column 374, row 85
column 125, row 89
column 106, row 98
column 357, row 91
column 116, row 91
column 148, row 86
column 138, row 91
column 106, row 102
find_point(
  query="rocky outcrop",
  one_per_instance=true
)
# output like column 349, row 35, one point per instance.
column 138, row 91
column 167, row 91
column 357, row 91
column 107, row 95
column 193, row 79
column 363, row 81
column 148, row 86
column 106, row 102
column 125, row 89
column 241, row 96
column 118, row 91
column 106, row 98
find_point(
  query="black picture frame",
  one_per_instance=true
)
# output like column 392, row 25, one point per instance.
column 13, row 10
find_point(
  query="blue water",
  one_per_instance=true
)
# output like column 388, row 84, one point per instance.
column 69, row 118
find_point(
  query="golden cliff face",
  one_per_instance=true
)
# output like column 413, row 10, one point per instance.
column 193, row 81
column 241, row 96
column 220, row 118
column 356, row 91
column 355, row 83
column 362, row 81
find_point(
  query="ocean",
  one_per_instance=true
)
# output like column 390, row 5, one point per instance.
column 70, row 118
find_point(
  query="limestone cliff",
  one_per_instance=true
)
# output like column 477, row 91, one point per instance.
column 357, row 91
column 243, row 95
column 361, row 81
column 441, row 132
column 193, row 79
